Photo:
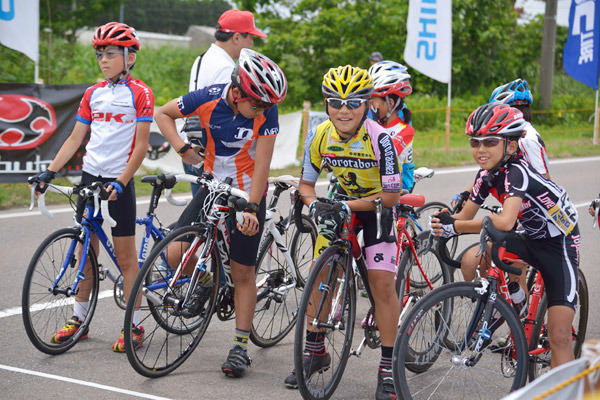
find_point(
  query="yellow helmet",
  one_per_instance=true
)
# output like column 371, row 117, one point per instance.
column 347, row 82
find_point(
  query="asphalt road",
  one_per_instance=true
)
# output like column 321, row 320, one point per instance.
column 91, row 370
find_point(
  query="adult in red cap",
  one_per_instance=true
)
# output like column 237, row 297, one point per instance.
column 236, row 21
column 235, row 31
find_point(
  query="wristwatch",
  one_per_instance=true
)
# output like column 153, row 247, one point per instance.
column 251, row 208
column 185, row 148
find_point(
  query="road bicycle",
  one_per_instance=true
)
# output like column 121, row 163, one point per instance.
column 417, row 218
column 57, row 271
column 329, row 299
column 171, row 335
column 481, row 345
column 276, row 312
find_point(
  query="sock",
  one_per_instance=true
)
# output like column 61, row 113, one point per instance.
column 241, row 338
column 136, row 318
column 315, row 343
column 80, row 309
column 386, row 357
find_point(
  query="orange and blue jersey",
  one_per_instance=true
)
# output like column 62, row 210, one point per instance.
column 229, row 139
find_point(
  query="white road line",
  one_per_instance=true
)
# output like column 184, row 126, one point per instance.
column 83, row 383
column 9, row 312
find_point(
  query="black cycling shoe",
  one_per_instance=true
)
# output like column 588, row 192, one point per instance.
column 385, row 385
column 311, row 364
column 197, row 301
column 236, row 363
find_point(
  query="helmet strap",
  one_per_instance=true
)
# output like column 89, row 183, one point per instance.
column 127, row 67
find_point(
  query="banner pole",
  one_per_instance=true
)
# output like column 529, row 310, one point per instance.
column 36, row 72
column 448, row 117
column 596, row 114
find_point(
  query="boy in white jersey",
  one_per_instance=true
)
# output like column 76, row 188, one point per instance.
column 118, row 111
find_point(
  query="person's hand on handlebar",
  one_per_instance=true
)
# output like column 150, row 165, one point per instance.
column 593, row 205
column 442, row 224
column 250, row 225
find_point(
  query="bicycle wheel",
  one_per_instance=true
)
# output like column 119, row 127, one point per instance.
column 428, row 268
column 169, row 337
column 422, row 215
column 539, row 362
column 46, row 310
column 330, row 299
column 433, row 269
column 302, row 247
column 278, row 292
column 498, row 368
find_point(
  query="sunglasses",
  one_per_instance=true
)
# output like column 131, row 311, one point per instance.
column 255, row 105
column 110, row 54
column 475, row 142
column 352, row 104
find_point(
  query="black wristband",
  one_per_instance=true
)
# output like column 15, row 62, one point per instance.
column 185, row 148
column 251, row 208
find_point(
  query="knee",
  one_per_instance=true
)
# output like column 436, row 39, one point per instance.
column 560, row 336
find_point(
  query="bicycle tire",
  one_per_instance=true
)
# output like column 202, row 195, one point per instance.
column 169, row 337
column 118, row 293
column 449, row 375
column 540, row 364
column 44, row 313
column 408, row 268
column 422, row 216
column 339, row 309
column 278, row 293
column 302, row 247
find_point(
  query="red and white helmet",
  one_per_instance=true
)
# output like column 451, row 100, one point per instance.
column 390, row 77
column 496, row 119
column 259, row 77
column 117, row 34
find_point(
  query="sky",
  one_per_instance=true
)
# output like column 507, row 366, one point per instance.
column 535, row 7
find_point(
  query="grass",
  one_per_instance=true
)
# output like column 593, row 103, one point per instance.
column 429, row 150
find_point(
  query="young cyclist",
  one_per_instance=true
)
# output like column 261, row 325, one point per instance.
column 235, row 31
column 549, row 236
column 362, row 156
column 241, row 123
column 118, row 111
column 391, row 83
column 517, row 94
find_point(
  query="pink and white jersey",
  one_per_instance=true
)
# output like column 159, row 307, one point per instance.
column 113, row 110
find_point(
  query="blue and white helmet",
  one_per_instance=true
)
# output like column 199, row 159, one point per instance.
column 513, row 93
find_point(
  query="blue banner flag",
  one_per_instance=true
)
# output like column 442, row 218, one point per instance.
column 582, row 50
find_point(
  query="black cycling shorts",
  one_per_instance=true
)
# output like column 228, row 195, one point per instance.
column 122, row 210
column 557, row 259
column 243, row 249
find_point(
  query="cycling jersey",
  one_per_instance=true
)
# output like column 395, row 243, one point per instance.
column 113, row 110
column 533, row 149
column 546, row 210
column 229, row 139
column 403, row 135
column 365, row 164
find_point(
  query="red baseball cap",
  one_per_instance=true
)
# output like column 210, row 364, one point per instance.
column 239, row 22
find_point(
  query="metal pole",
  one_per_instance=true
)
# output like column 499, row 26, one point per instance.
column 547, row 59
column 448, row 117
column 36, row 74
column 596, row 114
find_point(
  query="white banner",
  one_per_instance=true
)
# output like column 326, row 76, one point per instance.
column 429, row 38
column 20, row 26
